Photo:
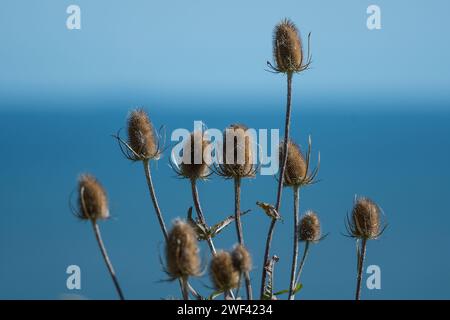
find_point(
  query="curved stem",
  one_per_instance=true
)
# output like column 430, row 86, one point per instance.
column 109, row 265
column 240, row 234
column 151, row 189
column 280, row 180
column 295, row 244
column 302, row 263
column 199, row 210
column 362, row 256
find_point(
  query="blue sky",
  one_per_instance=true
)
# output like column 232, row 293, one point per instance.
column 177, row 50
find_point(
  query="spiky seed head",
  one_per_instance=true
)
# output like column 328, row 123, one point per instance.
column 309, row 227
column 92, row 199
column 365, row 219
column 239, row 162
column 182, row 252
column 223, row 273
column 195, row 161
column 287, row 47
column 141, row 135
column 242, row 260
column 295, row 172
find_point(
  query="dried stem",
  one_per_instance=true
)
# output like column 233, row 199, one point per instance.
column 98, row 236
column 185, row 288
column 280, row 180
column 151, row 189
column 237, row 209
column 295, row 244
column 201, row 216
column 302, row 263
column 361, row 257
column 240, row 234
column 199, row 210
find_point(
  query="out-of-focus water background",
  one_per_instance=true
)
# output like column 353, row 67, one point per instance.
column 376, row 104
column 400, row 160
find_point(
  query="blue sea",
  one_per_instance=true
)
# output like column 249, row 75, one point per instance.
column 399, row 159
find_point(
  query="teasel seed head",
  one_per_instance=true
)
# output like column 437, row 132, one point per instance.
column 182, row 252
column 296, row 167
column 241, row 164
column 365, row 221
column 92, row 199
column 309, row 227
column 223, row 273
column 287, row 49
column 195, row 148
column 141, row 136
column 242, row 260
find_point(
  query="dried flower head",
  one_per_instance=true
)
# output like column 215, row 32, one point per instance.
column 297, row 167
column 242, row 260
column 196, row 159
column 141, row 136
column 309, row 227
column 295, row 172
column 287, row 49
column 237, row 158
column 182, row 253
column 365, row 220
column 223, row 273
column 92, row 199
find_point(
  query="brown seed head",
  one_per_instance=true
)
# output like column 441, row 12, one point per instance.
column 287, row 47
column 182, row 253
column 309, row 227
column 242, row 260
column 237, row 152
column 195, row 161
column 141, row 135
column 295, row 173
column 365, row 219
column 92, row 199
column 223, row 273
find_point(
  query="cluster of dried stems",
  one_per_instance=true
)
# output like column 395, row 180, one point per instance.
column 229, row 268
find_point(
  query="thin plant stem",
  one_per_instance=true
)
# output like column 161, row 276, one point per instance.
column 362, row 255
column 295, row 244
column 237, row 209
column 199, row 210
column 201, row 216
column 302, row 263
column 109, row 265
column 280, row 180
column 185, row 288
column 240, row 234
column 151, row 189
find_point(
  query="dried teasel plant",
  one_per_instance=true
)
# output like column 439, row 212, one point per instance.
column 195, row 165
column 144, row 144
column 363, row 225
column 289, row 59
column 93, row 206
column 237, row 161
column 296, row 176
column 309, row 232
column 182, row 254
column 224, row 275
